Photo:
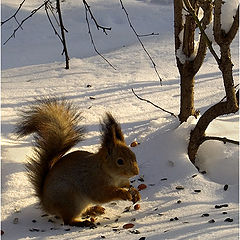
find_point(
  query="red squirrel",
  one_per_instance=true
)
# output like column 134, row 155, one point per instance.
column 73, row 184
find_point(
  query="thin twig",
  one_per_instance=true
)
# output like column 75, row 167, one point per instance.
column 48, row 6
column 51, row 23
column 15, row 14
column 149, row 34
column 104, row 29
column 51, row 8
column 222, row 139
column 18, row 22
column 25, row 19
column 145, row 100
column 140, row 41
column 91, row 37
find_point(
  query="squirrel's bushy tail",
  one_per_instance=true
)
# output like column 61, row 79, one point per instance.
column 54, row 124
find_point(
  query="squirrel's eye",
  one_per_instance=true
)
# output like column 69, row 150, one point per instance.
column 120, row 161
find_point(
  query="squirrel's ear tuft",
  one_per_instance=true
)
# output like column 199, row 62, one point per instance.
column 111, row 131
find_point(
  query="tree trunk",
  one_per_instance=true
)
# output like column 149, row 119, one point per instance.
column 185, row 67
column 63, row 34
column 187, row 92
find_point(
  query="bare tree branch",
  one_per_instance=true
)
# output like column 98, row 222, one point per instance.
column 15, row 14
column 207, row 8
column 51, row 8
column 149, row 34
column 48, row 6
column 87, row 9
column 25, row 19
column 217, row 22
column 104, row 29
column 178, row 24
column 140, row 41
column 234, row 28
column 145, row 100
column 219, row 34
column 222, row 139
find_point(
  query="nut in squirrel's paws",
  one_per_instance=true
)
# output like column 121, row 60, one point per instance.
column 135, row 194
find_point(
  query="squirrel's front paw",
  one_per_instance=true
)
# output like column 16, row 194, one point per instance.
column 125, row 195
column 135, row 194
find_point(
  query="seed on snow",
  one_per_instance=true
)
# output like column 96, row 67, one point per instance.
column 211, row 221
column 142, row 186
column 137, row 206
column 228, row 220
column 221, row 206
column 134, row 231
column 205, row 215
column 225, row 187
column 179, row 187
column 163, row 179
column 197, row 190
column 128, row 225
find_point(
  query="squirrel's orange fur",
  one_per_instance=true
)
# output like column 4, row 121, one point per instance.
column 68, row 185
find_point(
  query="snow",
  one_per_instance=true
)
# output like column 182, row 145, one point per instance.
column 179, row 52
column 229, row 9
column 33, row 67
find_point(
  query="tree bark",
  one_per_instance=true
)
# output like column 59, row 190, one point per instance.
column 187, row 92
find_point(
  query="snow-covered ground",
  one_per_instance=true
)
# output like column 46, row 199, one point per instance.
column 32, row 66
